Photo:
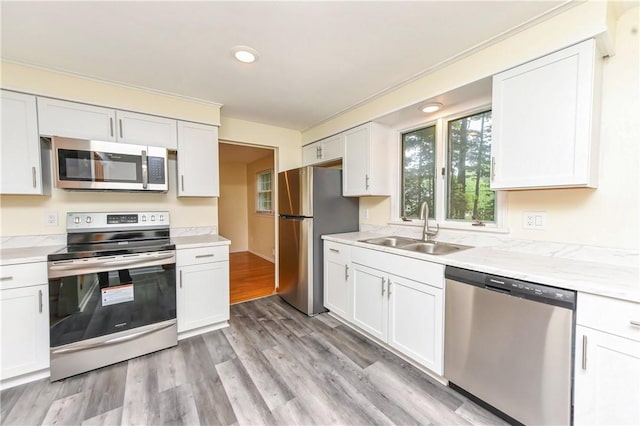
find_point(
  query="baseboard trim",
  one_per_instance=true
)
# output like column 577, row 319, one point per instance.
column 268, row 259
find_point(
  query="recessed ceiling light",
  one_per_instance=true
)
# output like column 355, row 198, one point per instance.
column 431, row 107
column 245, row 54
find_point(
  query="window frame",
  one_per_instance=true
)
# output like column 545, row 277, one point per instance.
column 258, row 192
column 441, row 190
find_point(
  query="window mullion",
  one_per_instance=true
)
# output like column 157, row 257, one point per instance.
column 441, row 161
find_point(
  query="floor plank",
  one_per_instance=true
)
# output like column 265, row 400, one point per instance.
column 272, row 365
column 250, row 277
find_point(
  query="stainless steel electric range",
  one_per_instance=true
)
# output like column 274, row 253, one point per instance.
column 112, row 290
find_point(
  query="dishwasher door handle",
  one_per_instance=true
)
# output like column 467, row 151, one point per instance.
column 497, row 289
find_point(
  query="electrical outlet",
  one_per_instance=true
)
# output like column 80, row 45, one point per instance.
column 534, row 220
column 51, row 219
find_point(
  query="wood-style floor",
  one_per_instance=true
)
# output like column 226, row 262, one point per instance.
column 250, row 277
column 273, row 365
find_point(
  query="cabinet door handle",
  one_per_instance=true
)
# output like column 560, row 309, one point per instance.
column 7, row 278
column 334, row 250
column 40, row 300
column 635, row 323
column 180, row 279
column 111, row 126
column 204, row 255
column 366, row 181
column 317, row 152
column 33, row 175
column 493, row 168
column 320, row 148
column 389, row 289
column 584, row 352
column 346, row 272
column 382, row 286
column 120, row 125
column 182, row 181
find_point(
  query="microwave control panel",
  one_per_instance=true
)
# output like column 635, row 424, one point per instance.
column 156, row 169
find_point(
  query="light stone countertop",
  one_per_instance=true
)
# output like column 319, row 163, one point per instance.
column 617, row 281
column 195, row 241
column 18, row 255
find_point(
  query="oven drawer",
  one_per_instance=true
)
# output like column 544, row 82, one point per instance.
column 22, row 275
column 196, row 256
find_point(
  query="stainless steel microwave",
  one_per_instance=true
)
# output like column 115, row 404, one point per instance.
column 96, row 165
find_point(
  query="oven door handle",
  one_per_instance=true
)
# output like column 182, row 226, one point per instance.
column 111, row 262
column 109, row 342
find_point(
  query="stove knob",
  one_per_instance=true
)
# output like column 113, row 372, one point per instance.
column 153, row 218
column 76, row 219
column 161, row 218
column 89, row 220
column 144, row 218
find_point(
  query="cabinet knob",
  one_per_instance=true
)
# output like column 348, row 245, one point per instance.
column 635, row 323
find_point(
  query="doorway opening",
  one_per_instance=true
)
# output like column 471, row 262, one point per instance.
column 246, row 216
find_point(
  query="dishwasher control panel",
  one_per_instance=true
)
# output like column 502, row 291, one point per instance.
column 514, row 287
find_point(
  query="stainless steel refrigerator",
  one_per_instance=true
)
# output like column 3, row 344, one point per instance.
column 310, row 204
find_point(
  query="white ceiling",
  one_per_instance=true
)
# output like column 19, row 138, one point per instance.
column 316, row 58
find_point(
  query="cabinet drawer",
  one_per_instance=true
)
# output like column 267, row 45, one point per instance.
column 195, row 256
column 335, row 251
column 414, row 269
column 23, row 275
column 609, row 315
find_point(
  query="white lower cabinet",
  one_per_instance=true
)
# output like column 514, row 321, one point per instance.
column 337, row 283
column 203, row 289
column 25, row 323
column 399, row 301
column 607, row 368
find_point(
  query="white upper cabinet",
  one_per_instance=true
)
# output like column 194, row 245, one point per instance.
column 546, row 121
column 22, row 171
column 198, row 171
column 74, row 120
column 143, row 129
column 81, row 121
column 325, row 150
column 365, row 163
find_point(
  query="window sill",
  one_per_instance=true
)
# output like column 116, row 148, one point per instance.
column 416, row 223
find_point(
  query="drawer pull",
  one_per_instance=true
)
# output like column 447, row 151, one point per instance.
column 334, row 250
column 635, row 323
column 584, row 352
column 7, row 278
column 200, row 256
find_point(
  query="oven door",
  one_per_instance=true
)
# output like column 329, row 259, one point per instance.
column 102, row 296
column 88, row 164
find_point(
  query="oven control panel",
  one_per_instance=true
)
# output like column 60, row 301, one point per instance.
column 80, row 221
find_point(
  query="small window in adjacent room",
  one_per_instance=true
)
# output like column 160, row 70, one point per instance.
column 263, row 189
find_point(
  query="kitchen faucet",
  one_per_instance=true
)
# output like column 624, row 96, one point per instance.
column 426, row 232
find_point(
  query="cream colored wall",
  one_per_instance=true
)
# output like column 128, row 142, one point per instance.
column 607, row 216
column 232, row 211
column 286, row 141
column 25, row 214
column 261, row 226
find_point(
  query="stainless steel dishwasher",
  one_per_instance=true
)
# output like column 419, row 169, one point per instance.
column 510, row 344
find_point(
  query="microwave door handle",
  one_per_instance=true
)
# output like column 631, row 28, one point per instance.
column 145, row 170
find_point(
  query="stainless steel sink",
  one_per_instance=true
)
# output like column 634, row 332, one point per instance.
column 434, row 247
column 410, row 244
column 390, row 241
